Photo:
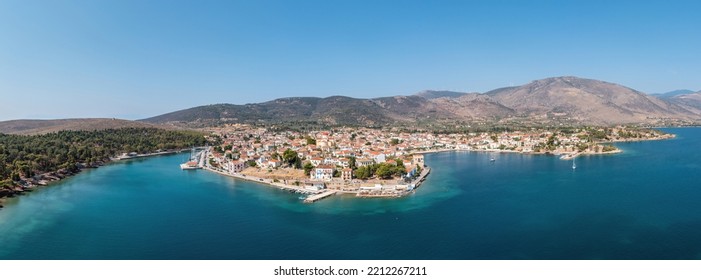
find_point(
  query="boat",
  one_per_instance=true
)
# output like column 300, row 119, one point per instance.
column 191, row 164
column 492, row 160
column 574, row 165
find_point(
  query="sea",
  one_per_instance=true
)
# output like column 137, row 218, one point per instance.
column 644, row 203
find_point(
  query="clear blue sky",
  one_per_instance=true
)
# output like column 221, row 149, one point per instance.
column 134, row 59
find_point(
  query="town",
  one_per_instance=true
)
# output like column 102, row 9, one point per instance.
column 379, row 163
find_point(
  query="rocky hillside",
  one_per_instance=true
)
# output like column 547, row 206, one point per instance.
column 587, row 101
column 553, row 100
column 691, row 101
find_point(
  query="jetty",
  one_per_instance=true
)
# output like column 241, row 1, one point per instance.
column 422, row 177
column 319, row 196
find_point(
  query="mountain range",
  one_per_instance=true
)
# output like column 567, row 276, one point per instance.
column 568, row 99
column 551, row 101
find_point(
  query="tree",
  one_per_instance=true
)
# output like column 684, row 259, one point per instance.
column 298, row 163
column 218, row 149
column 310, row 140
column 351, row 163
column 15, row 176
column 384, row 171
column 308, row 168
column 394, row 141
column 289, row 157
column 362, row 173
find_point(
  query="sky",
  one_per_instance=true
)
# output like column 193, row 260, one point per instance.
column 134, row 59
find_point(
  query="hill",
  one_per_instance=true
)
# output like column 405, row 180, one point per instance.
column 34, row 127
column 433, row 94
column 558, row 100
column 587, row 101
column 332, row 110
column 673, row 93
column 692, row 101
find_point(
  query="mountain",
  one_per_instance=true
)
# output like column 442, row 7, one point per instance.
column 548, row 101
column 331, row 110
column 32, row 127
column 474, row 106
column 433, row 94
column 692, row 101
column 671, row 94
column 587, row 101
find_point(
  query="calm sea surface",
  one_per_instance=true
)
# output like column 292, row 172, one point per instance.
column 642, row 204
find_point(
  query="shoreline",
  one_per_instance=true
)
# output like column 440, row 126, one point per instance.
column 49, row 178
column 298, row 189
column 569, row 155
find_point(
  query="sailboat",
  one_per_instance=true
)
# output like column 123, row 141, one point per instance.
column 191, row 164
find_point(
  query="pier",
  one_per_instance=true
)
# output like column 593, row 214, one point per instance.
column 320, row 196
column 422, row 177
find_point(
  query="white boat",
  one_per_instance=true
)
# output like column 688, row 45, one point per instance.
column 191, row 164
column 574, row 166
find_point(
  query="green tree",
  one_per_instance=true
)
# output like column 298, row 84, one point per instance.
column 351, row 163
column 384, row 171
column 289, row 157
column 308, row 168
column 362, row 173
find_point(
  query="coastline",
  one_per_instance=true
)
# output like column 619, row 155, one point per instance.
column 49, row 178
column 569, row 155
column 299, row 189
column 385, row 189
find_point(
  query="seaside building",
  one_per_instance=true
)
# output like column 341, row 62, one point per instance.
column 347, row 174
column 418, row 160
column 322, row 172
column 235, row 166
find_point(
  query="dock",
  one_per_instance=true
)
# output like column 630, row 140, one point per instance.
column 422, row 177
column 320, row 196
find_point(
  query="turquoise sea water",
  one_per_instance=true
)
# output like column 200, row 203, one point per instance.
column 642, row 204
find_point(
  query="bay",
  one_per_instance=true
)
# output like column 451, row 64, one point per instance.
column 641, row 204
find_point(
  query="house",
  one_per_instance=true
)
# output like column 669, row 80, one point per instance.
column 316, row 161
column 322, row 172
column 347, row 174
column 274, row 163
column 363, row 162
column 344, row 162
column 380, row 158
column 235, row 166
column 418, row 159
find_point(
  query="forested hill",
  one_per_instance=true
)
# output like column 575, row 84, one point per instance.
column 33, row 127
column 21, row 157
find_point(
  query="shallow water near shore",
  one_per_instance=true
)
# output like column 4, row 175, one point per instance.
column 641, row 204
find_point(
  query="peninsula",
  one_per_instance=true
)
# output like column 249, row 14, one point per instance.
column 381, row 162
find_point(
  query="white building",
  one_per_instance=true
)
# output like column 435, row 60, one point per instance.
column 322, row 172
